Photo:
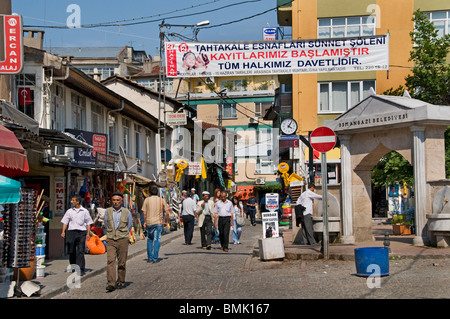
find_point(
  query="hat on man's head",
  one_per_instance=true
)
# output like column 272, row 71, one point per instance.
column 192, row 189
column 205, row 193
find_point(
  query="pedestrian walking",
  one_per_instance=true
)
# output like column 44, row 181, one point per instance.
column 196, row 197
column 205, row 213
column 238, row 211
column 189, row 218
column 154, row 208
column 76, row 230
column 224, row 219
column 215, row 232
column 306, row 199
column 118, row 223
column 251, row 204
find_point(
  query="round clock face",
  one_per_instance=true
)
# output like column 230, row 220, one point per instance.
column 288, row 126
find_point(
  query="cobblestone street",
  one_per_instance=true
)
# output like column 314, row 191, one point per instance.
column 188, row 272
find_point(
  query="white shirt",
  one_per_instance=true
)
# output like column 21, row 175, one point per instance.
column 189, row 206
column 77, row 218
column 307, row 200
column 224, row 209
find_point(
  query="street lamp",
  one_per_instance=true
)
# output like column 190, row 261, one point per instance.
column 162, row 77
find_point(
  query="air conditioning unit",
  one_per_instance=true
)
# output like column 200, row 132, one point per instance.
column 253, row 120
column 260, row 181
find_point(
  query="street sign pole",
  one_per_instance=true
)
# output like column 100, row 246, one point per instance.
column 325, row 240
column 323, row 140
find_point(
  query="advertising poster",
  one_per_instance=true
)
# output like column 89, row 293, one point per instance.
column 203, row 59
column 272, row 201
column 87, row 157
column 270, row 224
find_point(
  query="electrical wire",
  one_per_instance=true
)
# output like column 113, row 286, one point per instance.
column 114, row 24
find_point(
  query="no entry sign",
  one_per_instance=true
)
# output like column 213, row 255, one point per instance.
column 323, row 139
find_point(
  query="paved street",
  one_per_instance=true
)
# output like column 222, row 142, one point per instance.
column 188, row 272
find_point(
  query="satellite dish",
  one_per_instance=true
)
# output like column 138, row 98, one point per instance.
column 124, row 157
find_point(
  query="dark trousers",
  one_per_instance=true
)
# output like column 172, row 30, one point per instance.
column 252, row 213
column 307, row 230
column 205, row 231
column 76, row 245
column 188, row 221
column 224, row 231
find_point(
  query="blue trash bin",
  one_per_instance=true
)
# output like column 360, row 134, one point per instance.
column 368, row 258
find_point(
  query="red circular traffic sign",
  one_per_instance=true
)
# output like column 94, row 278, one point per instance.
column 323, row 139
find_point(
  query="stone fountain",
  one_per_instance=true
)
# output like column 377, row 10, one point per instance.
column 439, row 220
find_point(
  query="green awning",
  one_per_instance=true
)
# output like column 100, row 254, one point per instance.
column 9, row 190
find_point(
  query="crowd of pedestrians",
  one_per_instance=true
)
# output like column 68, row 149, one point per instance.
column 216, row 216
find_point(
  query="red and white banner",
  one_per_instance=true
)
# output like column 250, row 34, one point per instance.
column 13, row 44
column 204, row 59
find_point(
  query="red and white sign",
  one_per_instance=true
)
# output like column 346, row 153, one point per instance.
column 246, row 58
column 323, row 139
column 60, row 195
column 13, row 45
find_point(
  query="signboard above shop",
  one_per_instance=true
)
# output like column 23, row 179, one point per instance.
column 12, row 45
column 206, row 59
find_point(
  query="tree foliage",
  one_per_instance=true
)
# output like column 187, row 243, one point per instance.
column 392, row 168
column 429, row 81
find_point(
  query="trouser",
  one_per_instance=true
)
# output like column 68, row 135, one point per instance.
column 76, row 244
column 188, row 221
column 224, row 231
column 205, row 231
column 307, row 229
column 153, row 241
column 236, row 233
column 252, row 213
column 117, row 249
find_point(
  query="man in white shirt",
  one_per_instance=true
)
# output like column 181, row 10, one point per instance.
column 77, row 222
column 307, row 200
column 189, row 216
column 224, row 219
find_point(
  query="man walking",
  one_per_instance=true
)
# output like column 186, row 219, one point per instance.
column 118, row 223
column 205, row 210
column 154, row 208
column 189, row 217
column 307, row 200
column 224, row 219
column 251, row 203
column 77, row 221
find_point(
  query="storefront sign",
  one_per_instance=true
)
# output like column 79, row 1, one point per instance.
column 60, row 195
column 105, row 161
column 86, row 157
column 195, row 168
column 13, row 44
column 272, row 201
column 270, row 224
column 277, row 57
column 176, row 118
column 269, row 34
column 367, row 121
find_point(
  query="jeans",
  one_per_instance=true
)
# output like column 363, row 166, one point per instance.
column 153, row 241
column 237, row 231
column 252, row 213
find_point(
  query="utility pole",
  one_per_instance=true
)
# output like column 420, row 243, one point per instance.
column 5, row 79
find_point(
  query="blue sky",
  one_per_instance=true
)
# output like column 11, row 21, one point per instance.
column 145, row 36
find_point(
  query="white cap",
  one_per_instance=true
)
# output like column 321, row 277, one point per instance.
column 205, row 193
column 192, row 189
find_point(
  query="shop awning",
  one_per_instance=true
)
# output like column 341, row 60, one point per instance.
column 9, row 190
column 12, row 155
column 62, row 138
column 9, row 112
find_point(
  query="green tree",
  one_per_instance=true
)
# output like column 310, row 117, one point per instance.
column 392, row 168
column 430, row 78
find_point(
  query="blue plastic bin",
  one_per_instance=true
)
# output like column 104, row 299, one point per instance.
column 366, row 256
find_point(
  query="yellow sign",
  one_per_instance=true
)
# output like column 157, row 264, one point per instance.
column 182, row 164
column 283, row 167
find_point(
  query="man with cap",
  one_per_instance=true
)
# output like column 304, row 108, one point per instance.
column 205, row 212
column 196, row 198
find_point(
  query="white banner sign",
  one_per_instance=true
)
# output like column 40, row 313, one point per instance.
column 204, row 59
column 176, row 118
column 195, row 168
